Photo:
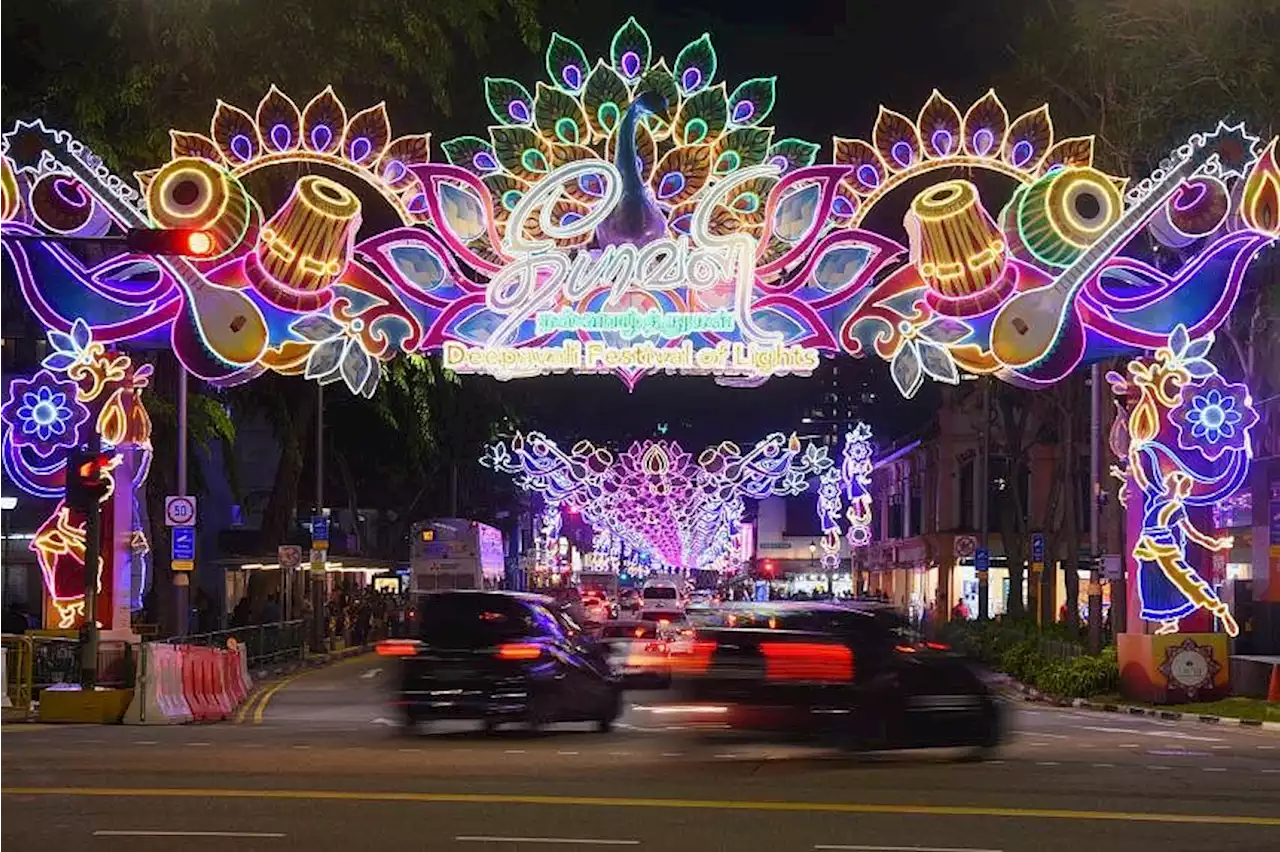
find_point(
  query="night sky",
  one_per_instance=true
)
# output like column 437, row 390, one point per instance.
column 835, row 62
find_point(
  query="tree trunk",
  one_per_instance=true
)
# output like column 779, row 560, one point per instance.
column 294, row 425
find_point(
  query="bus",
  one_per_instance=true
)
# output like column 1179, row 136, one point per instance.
column 454, row 553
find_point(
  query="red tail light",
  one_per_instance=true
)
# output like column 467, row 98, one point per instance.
column 807, row 661
column 938, row 646
column 397, row 648
column 519, row 651
column 905, row 649
column 697, row 661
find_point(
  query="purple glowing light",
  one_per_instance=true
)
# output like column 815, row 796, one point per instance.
column 841, row 207
column 418, row 204
column 983, row 141
column 484, row 161
column 281, row 137
column 1189, row 195
column 630, row 64
column 518, row 110
column 742, row 111
column 242, row 147
column 394, row 171
column 1021, row 152
column 942, row 140
column 670, row 185
column 691, row 79
column 321, row 137
column 70, row 192
column 361, row 148
column 868, row 175
column 591, row 185
column 682, row 224
column 780, row 161
column 572, row 76
column 43, row 414
column 902, row 152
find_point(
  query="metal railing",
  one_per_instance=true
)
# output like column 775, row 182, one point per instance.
column 37, row 662
column 264, row 643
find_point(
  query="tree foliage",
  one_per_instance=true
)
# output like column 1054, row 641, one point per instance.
column 121, row 73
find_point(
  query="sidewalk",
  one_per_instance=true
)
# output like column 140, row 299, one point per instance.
column 261, row 675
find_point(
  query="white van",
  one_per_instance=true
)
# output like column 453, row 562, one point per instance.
column 660, row 599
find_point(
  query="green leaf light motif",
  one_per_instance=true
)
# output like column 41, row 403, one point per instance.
column 740, row 148
column 702, row 118
column 566, row 64
column 604, row 99
column 471, row 153
column 558, row 116
column 630, row 51
column 509, row 102
column 792, row 154
column 752, row 101
column 696, row 65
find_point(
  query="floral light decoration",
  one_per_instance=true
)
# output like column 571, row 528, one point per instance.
column 855, row 478
column 654, row 498
column 82, row 388
column 1182, row 449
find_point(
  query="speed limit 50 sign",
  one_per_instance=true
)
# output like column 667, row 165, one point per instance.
column 180, row 511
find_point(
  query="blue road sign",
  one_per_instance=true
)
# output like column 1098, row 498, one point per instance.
column 183, row 552
column 982, row 559
column 319, row 529
column 1037, row 548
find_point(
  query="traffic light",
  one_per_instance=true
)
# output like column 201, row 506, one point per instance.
column 768, row 567
column 87, row 481
column 184, row 242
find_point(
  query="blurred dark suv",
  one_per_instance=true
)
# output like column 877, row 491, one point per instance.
column 499, row 657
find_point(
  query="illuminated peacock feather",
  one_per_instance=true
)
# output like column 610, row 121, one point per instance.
column 705, row 133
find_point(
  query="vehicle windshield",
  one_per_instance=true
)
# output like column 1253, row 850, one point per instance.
column 660, row 593
column 472, row 620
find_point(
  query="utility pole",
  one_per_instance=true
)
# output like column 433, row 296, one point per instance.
column 92, row 552
column 318, row 556
column 984, row 503
column 1095, row 491
column 181, row 579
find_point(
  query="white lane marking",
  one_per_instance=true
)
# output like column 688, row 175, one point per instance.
column 568, row 753
column 1215, row 768
column 371, row 673
column 146, row 833
column 1271, row 770
column 835, row 847
column 1104, row 766
column 1266, row 747
column 1169, row 735
column 994, row 762
column 1127, row 745
column 1220, row 746
column 673, row 754
column 619, row 754
column 1047, row 763
column 410, row 750
column 301, row 745
column 199, row 745
column 576, row 841
column 728, row 755
column 515, row 751
column 1047, row 734
column 1159, row 768
column 146, row 742
column 382, row 721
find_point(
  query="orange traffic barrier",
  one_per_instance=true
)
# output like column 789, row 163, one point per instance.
column 194, row 688
column 157, row 694
column 1273, row 690
column 218, row 682
column 236, row 690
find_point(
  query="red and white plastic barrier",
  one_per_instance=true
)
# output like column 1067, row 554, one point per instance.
column 184, row 683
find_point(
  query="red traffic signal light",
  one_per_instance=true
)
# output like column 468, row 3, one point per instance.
column 87, row 483
column 183, row 242
column 768, row 567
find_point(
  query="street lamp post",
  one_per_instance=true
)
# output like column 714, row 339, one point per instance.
column 7, row 505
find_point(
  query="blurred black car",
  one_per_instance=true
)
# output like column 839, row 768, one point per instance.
column 855, row 676
column 501, row 657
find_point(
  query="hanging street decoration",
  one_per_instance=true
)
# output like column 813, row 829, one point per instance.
column 655, row 497
column 632, row 216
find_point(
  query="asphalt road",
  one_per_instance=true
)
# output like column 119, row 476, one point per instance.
column 317, row 764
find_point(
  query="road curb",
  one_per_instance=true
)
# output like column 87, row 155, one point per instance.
column 1035, row 696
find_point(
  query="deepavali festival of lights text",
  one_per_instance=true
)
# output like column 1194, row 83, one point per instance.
column 633, row 323
column 723, row 359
